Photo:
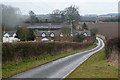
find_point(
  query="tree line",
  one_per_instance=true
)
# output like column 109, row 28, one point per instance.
column 68, row 15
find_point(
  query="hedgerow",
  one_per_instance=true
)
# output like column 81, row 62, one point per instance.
column 20, row 51
column 112, row 45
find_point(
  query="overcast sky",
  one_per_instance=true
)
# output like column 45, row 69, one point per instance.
column 47, row 6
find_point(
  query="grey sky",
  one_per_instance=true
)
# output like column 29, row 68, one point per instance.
column 47, row 6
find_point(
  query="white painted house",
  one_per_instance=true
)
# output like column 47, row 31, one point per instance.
column 10, row 37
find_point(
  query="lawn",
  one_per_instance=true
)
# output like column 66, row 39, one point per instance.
column 12, row 69
column 96, row 66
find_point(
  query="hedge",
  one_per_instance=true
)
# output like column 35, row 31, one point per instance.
column 20, row 51
column 112, row 45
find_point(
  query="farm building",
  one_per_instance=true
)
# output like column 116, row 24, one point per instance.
column 52, row 32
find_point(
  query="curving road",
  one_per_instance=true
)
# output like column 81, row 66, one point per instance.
column 60, row 68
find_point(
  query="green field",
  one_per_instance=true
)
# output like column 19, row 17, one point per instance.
column 95, row 67
column 12, row 69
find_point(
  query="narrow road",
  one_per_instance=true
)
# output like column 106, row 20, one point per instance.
column 60, row 68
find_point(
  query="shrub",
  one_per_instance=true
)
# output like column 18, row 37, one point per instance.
column 78, row 38
column 112, row 44
column 25, row 34
column 113, row 50
column 94, row 31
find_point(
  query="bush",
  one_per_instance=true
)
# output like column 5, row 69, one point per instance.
column 94, row 31
column 25, row 34
column 113, row 51
column 78, row 38
column 20, row 51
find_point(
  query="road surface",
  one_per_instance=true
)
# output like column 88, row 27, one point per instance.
column 60, row 68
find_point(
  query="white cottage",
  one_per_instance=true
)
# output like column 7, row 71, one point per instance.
column 10, row 37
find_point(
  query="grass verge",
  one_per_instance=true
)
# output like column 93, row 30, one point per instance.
column 96, row 66
column 12, row 69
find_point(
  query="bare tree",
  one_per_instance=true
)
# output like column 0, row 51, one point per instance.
column 68, row 15
column 56, row 15
column 72, row 15
column 32, row 17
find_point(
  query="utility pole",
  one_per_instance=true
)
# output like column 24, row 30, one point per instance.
column 71, row 35
column 72, row 30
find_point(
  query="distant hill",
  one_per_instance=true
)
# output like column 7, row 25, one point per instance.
column 109, row 15
column 104, row 15
column 88, row 15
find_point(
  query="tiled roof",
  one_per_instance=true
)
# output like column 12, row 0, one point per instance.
column 85, row 31
column 10, row 33
column 57, row 33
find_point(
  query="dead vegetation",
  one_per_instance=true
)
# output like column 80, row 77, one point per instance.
column 113, row 51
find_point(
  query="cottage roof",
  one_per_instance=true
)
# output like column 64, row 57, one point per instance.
column 85, row 31
column 11, row 33
column 58, row 33
column 48, row 33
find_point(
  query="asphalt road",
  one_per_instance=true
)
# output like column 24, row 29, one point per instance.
column 60, row 68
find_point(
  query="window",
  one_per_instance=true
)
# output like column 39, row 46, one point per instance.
column 52, row 34
column 6, row 35
column 43, row 35
column 61, row 35
column 85, row 34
